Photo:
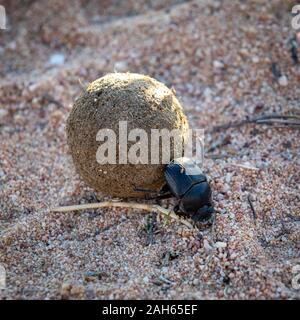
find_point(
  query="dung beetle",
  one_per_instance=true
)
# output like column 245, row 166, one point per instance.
column 186, row 182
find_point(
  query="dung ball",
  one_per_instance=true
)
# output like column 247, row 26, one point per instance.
column 101, row 129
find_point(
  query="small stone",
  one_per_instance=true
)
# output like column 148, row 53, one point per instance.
column 225, row 188
column 218, row 64
column 164, row 269
column 65, row 290
column 220, row 244
column 57, row 59
column 12, row 45
column 56, row 116
column 77, row 291
column 91, row 276
column 121, row 66
column 3, row 113
column 252, row 291
column 206, row 245
column 244, row 52
column 207, row 92
column 283, row 81
column 14, row 198
column 228, row 177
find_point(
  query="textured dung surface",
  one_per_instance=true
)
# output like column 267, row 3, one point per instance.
column 218, row 56
column 141, row 101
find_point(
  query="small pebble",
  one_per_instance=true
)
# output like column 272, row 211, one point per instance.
column 57, row 59
column 121, row 66
column 218, row 64
column 3, row 113
column 220, row 244
column 283, row 81
column 206, row 245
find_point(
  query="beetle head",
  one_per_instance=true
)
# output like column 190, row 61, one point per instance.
column 203, row 214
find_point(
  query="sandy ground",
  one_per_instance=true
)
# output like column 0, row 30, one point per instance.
column 227, row 60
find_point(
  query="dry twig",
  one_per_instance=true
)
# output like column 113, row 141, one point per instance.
column 243, row 166
column 252, row 208
column 289, row 121
column 147, row 207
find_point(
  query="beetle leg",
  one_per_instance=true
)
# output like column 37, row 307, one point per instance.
column 167, row 195
column 159, row 197
column 164, row 189
column 138, row 189
column 164, row 193
column 176, row 208
column 179, row 212
column 205, row 213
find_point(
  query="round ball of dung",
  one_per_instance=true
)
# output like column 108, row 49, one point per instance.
column 96, row 133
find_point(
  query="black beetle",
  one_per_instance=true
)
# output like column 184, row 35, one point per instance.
column 186, row 182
